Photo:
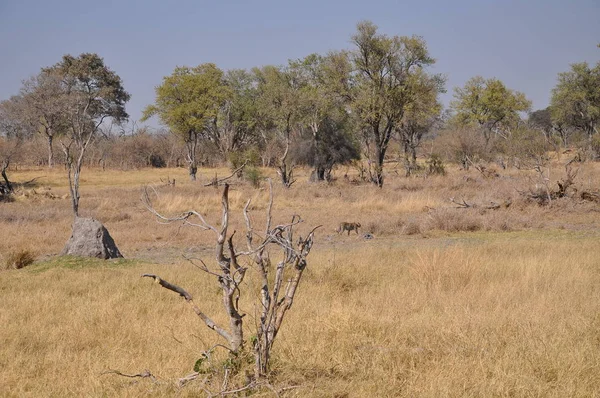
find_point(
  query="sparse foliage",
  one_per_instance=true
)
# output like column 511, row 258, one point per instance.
column 386, row 73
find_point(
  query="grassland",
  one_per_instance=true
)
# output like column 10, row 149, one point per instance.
column 442, row 302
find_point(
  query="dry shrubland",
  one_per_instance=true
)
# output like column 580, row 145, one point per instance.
column 443, row 301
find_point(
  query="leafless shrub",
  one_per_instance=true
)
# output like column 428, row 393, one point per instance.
column 277, row 291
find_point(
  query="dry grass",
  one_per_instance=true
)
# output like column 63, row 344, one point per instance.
column 19, row 259
column 443, row 302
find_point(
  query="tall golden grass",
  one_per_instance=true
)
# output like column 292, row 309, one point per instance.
column 442, row 302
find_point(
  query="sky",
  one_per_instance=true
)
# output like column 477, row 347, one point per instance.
column 523, row 43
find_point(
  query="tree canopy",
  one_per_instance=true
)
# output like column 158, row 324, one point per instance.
column 383, row 85
column 489, row 105
column 575, row 100
column 187, row 101
column 90, row 93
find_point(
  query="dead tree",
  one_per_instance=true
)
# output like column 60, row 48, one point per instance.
column 275, row 300
column 544, row 194
column 276, row 297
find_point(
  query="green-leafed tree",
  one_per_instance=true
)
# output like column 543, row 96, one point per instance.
column 541, row 120
column 383, row 86
column 420, row 116
column 187, row 102
column 488, row 105
column 91, row 95
column 234, row 127
column 576, row 99
column 279, row 111
column 327, row 137
column 553, row 130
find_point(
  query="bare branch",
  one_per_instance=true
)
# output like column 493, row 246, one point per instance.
column 463, row 205
column 146, row 201
column 203, row 267
column 145, row 373
column 215, row 182
column 223, row 261
column 269, row 208
column 188, row 297
column 169, row 286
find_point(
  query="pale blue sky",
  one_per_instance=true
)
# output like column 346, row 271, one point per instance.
column 523, row 43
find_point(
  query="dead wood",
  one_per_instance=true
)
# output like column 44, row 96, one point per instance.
column 215, row 182
column 492, row 206
column 276, row 295
column 543, row 194
column 188, row 298
column 590, row 196
column 144, row 374
column 168, row 182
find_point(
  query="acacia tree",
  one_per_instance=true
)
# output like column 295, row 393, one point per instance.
column 187, row 102
column 576, row 99
column 382, row 86
column 91, row 93
column 420, row 117
column 490, row 106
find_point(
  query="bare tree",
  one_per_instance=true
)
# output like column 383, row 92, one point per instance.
column 276, row 294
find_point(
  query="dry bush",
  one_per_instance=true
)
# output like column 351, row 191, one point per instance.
column 382, row 226
column 19, row 259
column 412, row 227
column 454, row 220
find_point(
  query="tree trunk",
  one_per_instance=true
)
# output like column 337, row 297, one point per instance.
column 284, row 171
column 378, row 177
column 7, row 182
column 50, row 152
column 191, row 143
column 318, row 174
column 74, row 186
column 192, row 170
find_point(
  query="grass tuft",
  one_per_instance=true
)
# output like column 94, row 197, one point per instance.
column 19, row 259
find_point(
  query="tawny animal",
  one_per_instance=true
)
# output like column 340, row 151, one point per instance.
column 348, row 226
